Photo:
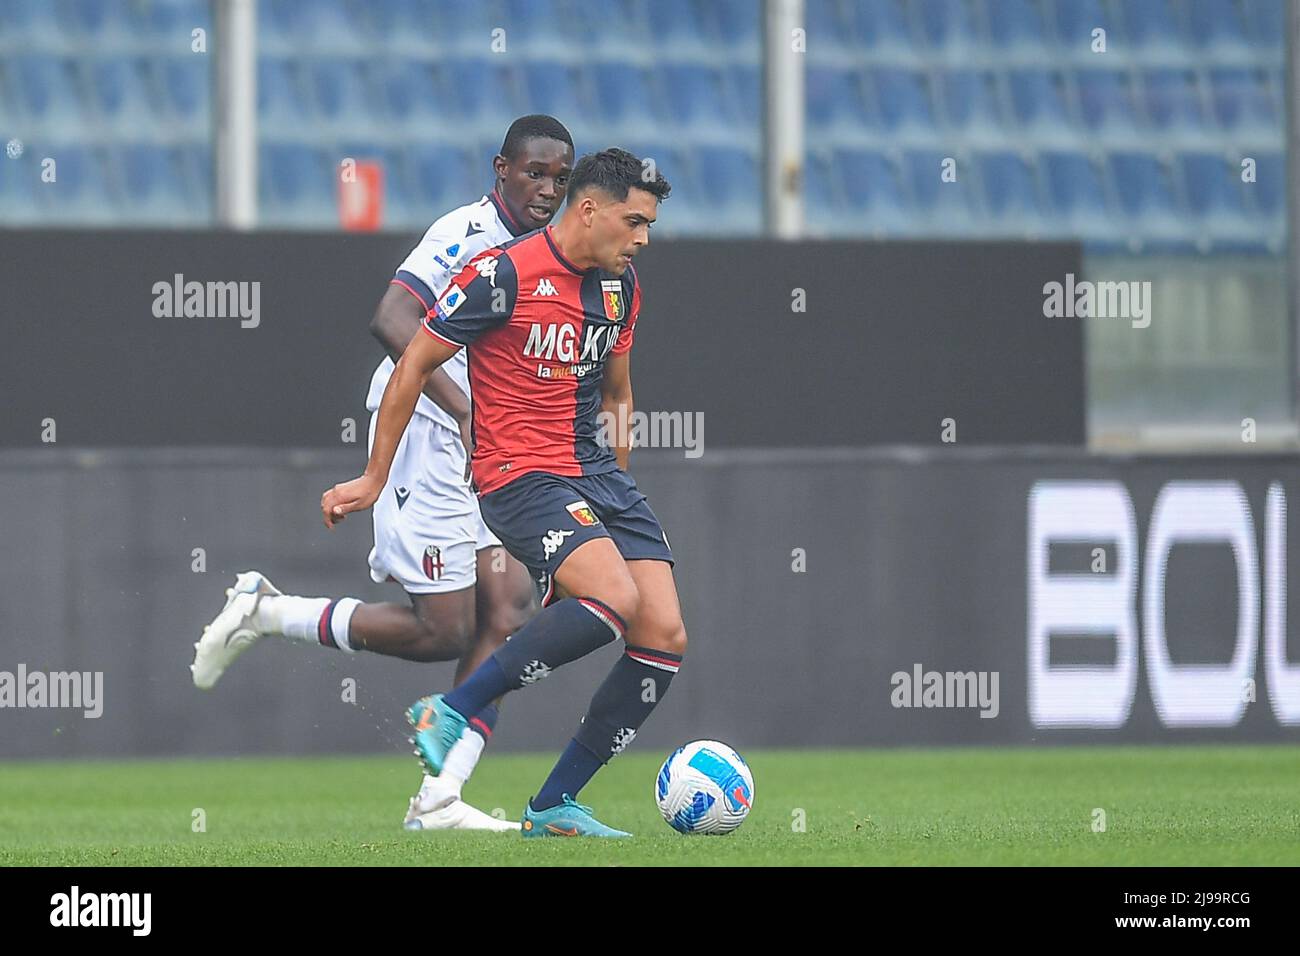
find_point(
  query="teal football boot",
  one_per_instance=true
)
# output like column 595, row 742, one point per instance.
column 437, row 728
column 569, row 819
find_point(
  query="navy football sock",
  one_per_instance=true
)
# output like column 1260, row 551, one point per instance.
column 636, row 683
column 485, row 721
column 565, row 631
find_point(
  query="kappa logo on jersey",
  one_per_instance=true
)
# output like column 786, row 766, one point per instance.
column 582, row 513
column 402, row 494
column 611, row 294
column 559, row 341
column 552, row 541
column 433, row 563
column 451, row 301
column 545, row 287
column 487, row 268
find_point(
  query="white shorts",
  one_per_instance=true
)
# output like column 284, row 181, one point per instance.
column 428, row 528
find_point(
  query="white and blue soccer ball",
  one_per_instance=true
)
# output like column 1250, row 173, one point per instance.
column 704, row 787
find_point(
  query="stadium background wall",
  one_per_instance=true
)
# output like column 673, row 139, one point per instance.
column 911, row 558
column 896, row 337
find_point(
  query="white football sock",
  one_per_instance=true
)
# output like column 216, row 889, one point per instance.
column 298, row 618
column 463, row 757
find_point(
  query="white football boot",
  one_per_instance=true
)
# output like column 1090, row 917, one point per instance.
column 232, row 631
column 438, row 806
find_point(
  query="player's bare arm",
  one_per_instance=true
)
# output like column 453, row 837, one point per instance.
column 616, row 404
column 395, row 323
column 420, row 358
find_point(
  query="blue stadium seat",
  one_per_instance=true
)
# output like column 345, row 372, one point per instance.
column 18, row 182
column 342, row 92
column 819, row 187
column 1217, row 24
column 281, row 99
column 625, row 91
column 153, row 183
column 875, row 191
column 29, row 23
column 697, row 95
column 903, row 98
column 1173, row 99
column 950, row 206
column 486, row 90
column 827, row 25
column 881, row 23
column 835, row 96
column 1076, row 19
column 747, row 91
column 947, row 23
column 444, row 177
column 1243, row 98
column 1011, row 190
column 187, row 85
column 676, row 25
column 84, row 188
column 728, row 176
column 1145, row 188
column 1106, row 99
column 1266, row 22
column 557, row 89
column 1077, row 192
column 1269, row 188
column 1016, row 23
column 1038, row 97
column 1153, row 23
column 737, row 23
column 47, row 89
column 413, row 91
column 971, row 99
column 1213, row 185
column 298, row 185
column 122, row 93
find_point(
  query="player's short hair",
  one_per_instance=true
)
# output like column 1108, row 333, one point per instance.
column 533, row 126
column 615, row 171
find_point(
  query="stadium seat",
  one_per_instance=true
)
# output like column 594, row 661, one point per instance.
column 1011, row 190
column 625, row 92
column 828, row 28
column 1269, row 188
column 1106, row 99
column 443, row 176
column 1265, row 23
column 1153, row 23
column 947, row 23
column 903, row 98
column 153, row 183
column 729, row 175
column 187, row 86
column 871, row 183
column 1243, row 98
column 1173, row 99
column 121, row 93
column 950, row 207
column 281, row 99
column 1038, row 97
column 970, row 99
column 881, row 23
column 342, row 93
column 84, row 188
column 835, row 96
column 1217, row 24
column 697, row 95
column 1016, row 23
column 48, row 90
column 1213, row 186
column 298, row 185
column 1078, row 194
column 1076, row 19
column 1144, row 188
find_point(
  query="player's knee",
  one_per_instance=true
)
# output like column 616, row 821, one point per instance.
column 441, row 638
column 667, row 636
column 622, row 598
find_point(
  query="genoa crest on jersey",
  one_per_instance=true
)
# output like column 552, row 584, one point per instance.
column 611, row 294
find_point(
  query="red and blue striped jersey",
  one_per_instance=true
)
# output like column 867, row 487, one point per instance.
column 538, row 331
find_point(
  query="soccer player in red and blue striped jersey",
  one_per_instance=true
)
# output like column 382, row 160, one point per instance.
column 548, row 320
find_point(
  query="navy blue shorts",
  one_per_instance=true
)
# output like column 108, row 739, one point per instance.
column 541, row 518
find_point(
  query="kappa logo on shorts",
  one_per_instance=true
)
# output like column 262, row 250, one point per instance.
column 432, row 562
column 552, row 541
column 582, row 513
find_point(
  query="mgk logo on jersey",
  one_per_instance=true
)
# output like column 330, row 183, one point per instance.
column 433, row 563
column 611, row 293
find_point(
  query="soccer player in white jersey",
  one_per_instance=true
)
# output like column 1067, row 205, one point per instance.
column 466, row 592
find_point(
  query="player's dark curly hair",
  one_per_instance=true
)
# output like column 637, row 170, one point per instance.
column 533, row 126
column 615, row 171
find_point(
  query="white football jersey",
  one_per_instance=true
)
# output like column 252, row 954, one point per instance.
column 446, row 248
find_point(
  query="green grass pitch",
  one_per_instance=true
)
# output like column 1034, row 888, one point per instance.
column 1176, row 805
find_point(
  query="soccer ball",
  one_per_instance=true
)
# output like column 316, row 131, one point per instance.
column 704, row 787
